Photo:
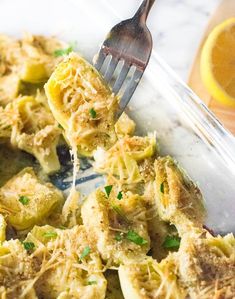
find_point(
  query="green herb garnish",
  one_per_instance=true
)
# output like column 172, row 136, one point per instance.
column 91, row 282
column 162, row 187
column 24, row 200
column 119, row 196
column 135, row 238
column 66, row 51
column 28, row 245
column 59, row 126
column 118, row 237
column 92, row 113
column 63, row 52
column 85, row 252
column 50, row 235
column 108, row 190
column 171, row 242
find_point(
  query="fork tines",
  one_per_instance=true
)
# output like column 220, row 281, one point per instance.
column 123, row 75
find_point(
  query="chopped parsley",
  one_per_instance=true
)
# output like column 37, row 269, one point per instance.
column 131, row 236
column 85, row 252
column 28, row 245
column 63, row 52
column 50, row 235
column 59, row 126
column 24, row 200
column 119, row 196
column 135, row 238
column 162, row 187
column 171, row 242
column 118, row 237
column 91, row 282
column 108, row 190
column 66, row 51
column 92, row 113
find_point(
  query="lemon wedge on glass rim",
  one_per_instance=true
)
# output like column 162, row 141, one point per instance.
column 218, row 63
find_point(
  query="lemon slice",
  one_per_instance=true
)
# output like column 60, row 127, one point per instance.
column 218, row 63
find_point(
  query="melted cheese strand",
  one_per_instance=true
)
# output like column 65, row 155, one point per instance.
column 71, row 205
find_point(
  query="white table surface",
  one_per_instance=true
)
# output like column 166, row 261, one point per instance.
column 177, row 27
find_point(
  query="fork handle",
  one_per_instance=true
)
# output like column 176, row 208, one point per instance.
column 143, row 11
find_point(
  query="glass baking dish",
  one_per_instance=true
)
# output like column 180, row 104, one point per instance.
column 162, row 103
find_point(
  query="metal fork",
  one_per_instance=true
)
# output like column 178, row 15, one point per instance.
column 125, row 53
